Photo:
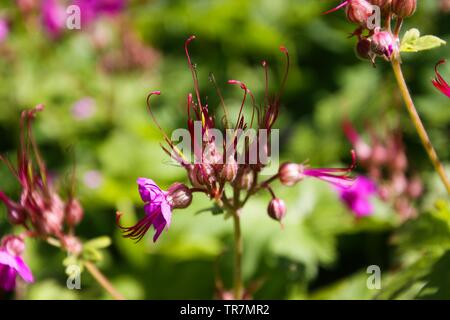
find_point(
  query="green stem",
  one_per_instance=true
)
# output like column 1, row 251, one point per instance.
column 396, row 66
column 103, row 281
column 238, row 286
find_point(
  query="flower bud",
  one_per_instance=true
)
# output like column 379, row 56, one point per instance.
column 404, row 8
column 383, row 44
column 73, row 244
column 276, row 209
column 245, row 180
column 363, row 50
column 14, row 245
column 179, row 195
column 290, row 173
column 16, row 216
column 228, row 171
column 74, row 212
column 201, row 175
column 359, row 11
column 384, row 5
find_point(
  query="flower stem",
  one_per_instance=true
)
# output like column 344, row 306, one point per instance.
column 418, row 123
column 238, row 287
column 103, row 281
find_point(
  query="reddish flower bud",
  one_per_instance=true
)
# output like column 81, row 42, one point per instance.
column 73, row 244
column 359, row 11
column 384, row 5
column 16, row 216
column 245, row 180
column 13, row 244
column 404, row 8
column 276, row 209
column 74, row 212
column 228, row 171
column 363, row 50
column 290, row 173
column 383, row 44
column 179, row 196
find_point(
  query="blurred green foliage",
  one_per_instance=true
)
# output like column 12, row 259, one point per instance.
column 322, row 252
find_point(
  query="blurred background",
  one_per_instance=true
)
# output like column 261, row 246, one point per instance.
column 94, row 82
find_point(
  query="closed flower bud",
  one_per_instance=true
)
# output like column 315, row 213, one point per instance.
column 229, row 170
column 14, row 245
column 384, row 5
column 276, row 209
column 73, row 244
column 290, row 173
column 16, row 216
column 383, row 44
column 363, row 50
column 245, row 180
column 359, row 11
column 404, row 8
column 74, row 212
column 179, row 196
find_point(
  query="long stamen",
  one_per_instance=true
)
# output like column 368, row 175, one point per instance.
column 222, row 101
column 193, row 71
column 343, row 4
column 286, row 72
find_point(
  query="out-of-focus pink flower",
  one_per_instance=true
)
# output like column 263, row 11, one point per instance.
column 93, row 179
column 4, row 30
column 83, row 108
column 357, row 197
column 363, row 150
column 11, row 264
column 53, row 17
column 92, row 9
column 439, row 82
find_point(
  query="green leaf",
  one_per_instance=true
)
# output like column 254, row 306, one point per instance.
column 413, row 42
column 98, row 243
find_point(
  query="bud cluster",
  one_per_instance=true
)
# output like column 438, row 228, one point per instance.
column 373, row 19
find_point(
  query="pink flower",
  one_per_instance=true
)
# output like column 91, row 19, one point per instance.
column 11, row 264
column 53, row 17
column 4, row 30
column 357, row 197
column 336, row 176
column 83, row 108
column 439, row 82
column 92, row 9
column 158, row 211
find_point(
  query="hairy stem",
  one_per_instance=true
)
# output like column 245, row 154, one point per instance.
column 238, row 286
column 103, row 281
column 418, row 123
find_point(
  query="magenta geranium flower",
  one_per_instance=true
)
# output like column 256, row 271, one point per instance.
column 53, row 17
column 11, row 264
column 158, row 211
column 92, row 9
column 439, row 82
column 357, row 197
column 4, row 30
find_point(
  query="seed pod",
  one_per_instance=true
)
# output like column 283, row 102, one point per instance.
column 358, row 12
column 290, row 173
column 404, row 8
column 276, row 209
column 179, row 195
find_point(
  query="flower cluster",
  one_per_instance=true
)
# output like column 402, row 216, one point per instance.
column 386, row 164
column 219, row 168
column 39, row 209
column 373, row 19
